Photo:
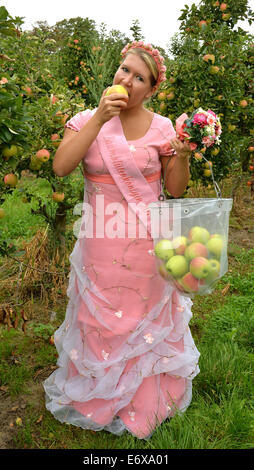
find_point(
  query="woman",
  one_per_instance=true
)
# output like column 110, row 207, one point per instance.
column 126, row 355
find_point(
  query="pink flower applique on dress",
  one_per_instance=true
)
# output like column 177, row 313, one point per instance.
column 132, row 415
column 74, row 354
column 149, row 338
column 105, row 355
column 119, row 314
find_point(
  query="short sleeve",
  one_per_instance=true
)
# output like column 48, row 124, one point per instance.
column 168, row 133
column 79, row 120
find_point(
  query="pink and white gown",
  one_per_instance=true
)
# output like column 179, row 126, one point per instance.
column 126, row 354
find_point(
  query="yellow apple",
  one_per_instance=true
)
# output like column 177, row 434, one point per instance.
column 117, row 89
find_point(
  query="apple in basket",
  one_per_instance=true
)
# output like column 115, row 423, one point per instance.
column 198, row 234
column 199, row 267
column 177, row 266
column 215, row 245
column 180, row 245
column 214, row 271
column 164, row 249
column 190, row 283
column 196, row 249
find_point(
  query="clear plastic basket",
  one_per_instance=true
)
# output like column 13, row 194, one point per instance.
column 190, row 242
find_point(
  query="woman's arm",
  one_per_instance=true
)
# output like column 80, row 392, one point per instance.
column 75, row 144
column 178, row 173
column 74, row 147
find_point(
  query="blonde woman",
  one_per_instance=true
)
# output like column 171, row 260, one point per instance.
column 126, row 354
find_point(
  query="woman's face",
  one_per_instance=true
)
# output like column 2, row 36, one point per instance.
column 135, row 76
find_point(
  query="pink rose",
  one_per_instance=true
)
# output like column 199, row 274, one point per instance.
column 210, row 120
column 211, row 112
column 207, row 141
column 200, row 119
column 193, row 146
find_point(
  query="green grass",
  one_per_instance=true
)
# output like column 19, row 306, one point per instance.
column 220, row 415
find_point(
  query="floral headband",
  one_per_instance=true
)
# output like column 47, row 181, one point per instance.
column 154, row 53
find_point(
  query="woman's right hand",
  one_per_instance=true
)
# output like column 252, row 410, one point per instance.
column 110, row 106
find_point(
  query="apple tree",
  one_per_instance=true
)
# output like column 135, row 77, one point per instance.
column 211, row 66
column 32, row 118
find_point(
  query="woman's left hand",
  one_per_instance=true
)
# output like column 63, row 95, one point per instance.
column 182, row 149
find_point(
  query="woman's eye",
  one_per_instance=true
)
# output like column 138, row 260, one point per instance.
column 140, row 78
column 124, row 69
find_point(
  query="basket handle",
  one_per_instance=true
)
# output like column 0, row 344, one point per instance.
column 161, row 197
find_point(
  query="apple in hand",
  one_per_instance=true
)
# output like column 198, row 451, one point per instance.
column 199, row 234
column 177, row 266
column 164, row 249
column 199, row 267
column 179, row 245
column 117, row 89
column 215, row 245
column 196, row 249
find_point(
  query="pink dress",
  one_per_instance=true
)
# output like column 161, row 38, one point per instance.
column 126, row 354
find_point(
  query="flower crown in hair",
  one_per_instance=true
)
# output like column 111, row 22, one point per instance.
column 154, row 53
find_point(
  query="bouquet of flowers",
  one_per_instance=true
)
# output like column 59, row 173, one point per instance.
column 202, row 129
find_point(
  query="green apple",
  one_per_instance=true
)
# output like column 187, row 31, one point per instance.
column 199, row 234
column 199, row 267
column 179, row 245
column 215, row 245
column 177, row 266
column 196, row 249
column 164, row 249
column 214, row 270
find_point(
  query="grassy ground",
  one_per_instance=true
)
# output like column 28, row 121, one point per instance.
column 221, row 412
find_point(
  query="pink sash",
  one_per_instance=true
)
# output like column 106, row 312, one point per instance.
column 121, row 165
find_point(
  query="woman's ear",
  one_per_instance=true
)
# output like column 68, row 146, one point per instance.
column 150, row 93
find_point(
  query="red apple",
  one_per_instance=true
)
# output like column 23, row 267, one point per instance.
column 11, row 180
column 243, row 103
column 179, row 245
column 199, row 267
column 223, row 6
column 196, row 249
column 190, row 283
column 43, row 155
column 58, row 197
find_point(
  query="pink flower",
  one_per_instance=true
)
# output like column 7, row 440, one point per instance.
column 211, row 112
column 3, row 80
column 207, row 141
column 200, row 119
column 193, row 146
column 210, row 120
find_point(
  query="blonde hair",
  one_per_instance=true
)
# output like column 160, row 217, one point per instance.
column 149, row 61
